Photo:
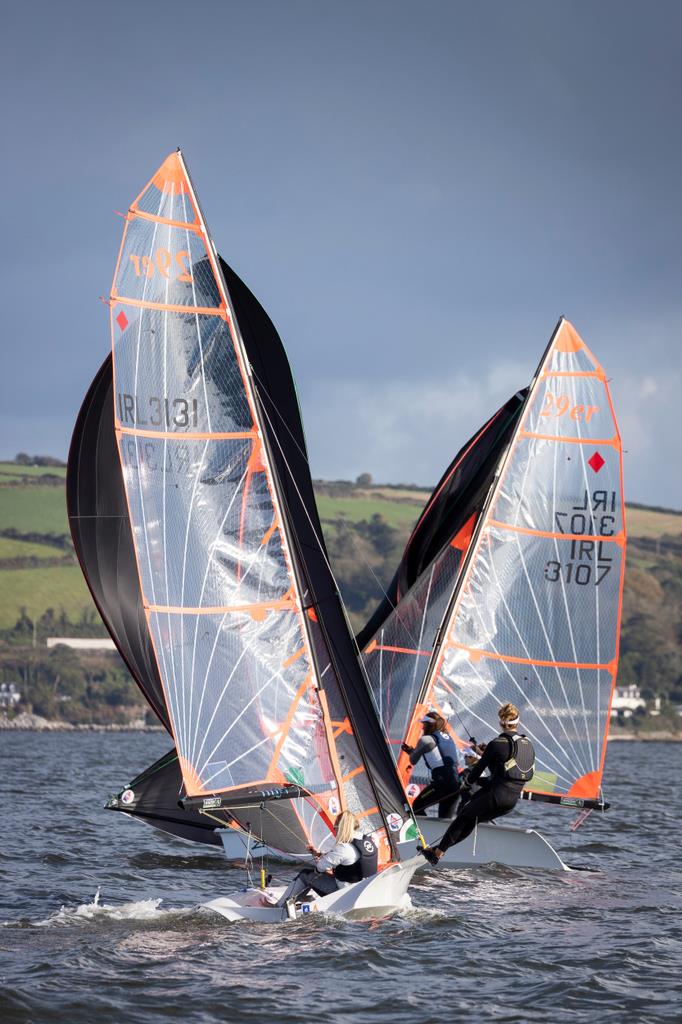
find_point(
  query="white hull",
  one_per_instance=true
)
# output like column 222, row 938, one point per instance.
column 491, row 844
column 378, row 896
column 488, row 844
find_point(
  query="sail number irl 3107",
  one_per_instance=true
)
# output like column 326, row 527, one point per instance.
column 590, row 560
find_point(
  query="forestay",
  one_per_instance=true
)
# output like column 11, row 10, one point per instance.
column 232, row 611
column 535, row 617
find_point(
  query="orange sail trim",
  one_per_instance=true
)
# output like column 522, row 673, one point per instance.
column 156, row 219
column 475, row 653
column 326, row 718
column 612, row 442
column 171, row 177
column 587, row 786
column 256, row 611
column 462, row 539
column 185, row 435
column 167, row 307
column 287, row 723
column 618, row 538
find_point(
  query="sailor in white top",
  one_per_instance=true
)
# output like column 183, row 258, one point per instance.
column 353, row 857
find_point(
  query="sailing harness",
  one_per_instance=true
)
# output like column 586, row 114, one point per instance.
column 520, row 765
column 366, row 865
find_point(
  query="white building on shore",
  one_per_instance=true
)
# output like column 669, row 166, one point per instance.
column 627, row 700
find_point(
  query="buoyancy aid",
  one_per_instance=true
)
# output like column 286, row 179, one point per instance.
column 366, row 865
column 444, row 754
column 520, row 765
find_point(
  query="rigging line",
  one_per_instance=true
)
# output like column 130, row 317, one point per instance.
column 227, row 765
column 208, row 667
column 182, row 725
column 531, row 453
column 565, row 767
column 568, row 617
column 275, row 675
column 184, row 569
column 197, row 321
column 550, row 648
column 304, row 456
column 492, row 693
column 381, row 675
column 203, row 456
column 171, row 691
column 596, row 598
column 245, row 650
column 209, row 560
column 350, row 630
column 319, row 542
column 421, row 628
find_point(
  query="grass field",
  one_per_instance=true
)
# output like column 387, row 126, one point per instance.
column 12, row 470
column 33, row 508
column 38, row 589
column 10, row 548
column 398, row 514
column 644, row 522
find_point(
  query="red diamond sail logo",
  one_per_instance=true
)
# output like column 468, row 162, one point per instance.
column 122, row 320
column 596, row 462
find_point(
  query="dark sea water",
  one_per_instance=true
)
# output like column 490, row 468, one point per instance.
column 480, row 945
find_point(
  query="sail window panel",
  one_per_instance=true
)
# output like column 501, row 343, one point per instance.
column 397, row 658
column 165, row 264
column 564, row 711
column 171, row 202
column 574, row 407
column 229, row 686
column 541, row 599
column 176, row 373
column 553, row 487
column 202, row 522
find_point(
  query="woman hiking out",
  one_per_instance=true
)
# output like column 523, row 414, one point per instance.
column 510, row 759
column 442, row 758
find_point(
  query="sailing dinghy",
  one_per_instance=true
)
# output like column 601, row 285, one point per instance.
column 238, row 613
column 534, row 613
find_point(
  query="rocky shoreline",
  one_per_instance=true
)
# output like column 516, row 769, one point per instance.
column 34, row 723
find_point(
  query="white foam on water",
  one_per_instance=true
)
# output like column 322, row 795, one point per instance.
column 140, row 910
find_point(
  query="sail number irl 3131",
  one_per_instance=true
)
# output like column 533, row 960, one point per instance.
column 590, row 559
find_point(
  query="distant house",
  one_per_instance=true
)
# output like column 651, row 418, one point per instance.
column 82, row 644
column 9, row 695
column 627, row 700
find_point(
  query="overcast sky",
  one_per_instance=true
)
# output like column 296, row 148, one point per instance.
column 414, row 191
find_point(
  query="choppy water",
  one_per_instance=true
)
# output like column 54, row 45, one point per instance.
column 482, row 945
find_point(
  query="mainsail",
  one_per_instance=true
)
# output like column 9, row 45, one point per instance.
column 399, row 638
column 263, row 691
column 535, row 615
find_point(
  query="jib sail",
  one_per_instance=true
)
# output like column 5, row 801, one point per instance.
column 535, row 615
column 259, row 677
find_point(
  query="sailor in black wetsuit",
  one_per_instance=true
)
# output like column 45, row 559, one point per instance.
column 352, row 858
column 441, row 757
column 510, row 759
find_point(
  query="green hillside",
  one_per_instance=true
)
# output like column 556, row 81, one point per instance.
column 366, row 528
